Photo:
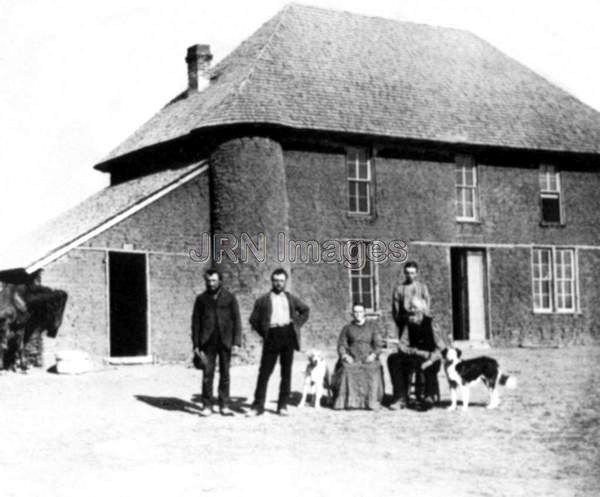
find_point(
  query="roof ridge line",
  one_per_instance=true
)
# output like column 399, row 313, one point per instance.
column 246, row 78
column 141, row 203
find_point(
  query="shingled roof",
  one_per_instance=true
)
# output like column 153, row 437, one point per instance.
column 90, row 217
column 310, row 68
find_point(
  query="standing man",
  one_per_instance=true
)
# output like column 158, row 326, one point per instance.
column 277, row 317
column 216, row 329
column 407, row 290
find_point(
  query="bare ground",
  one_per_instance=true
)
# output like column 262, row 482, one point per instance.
column 135, row 431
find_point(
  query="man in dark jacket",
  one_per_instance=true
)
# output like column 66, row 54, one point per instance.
column 216, row 329
column 419, row 350
column 277, row 317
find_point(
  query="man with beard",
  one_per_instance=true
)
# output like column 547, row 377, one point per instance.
column 216, row 329
column 277, row 317
column 419, row 351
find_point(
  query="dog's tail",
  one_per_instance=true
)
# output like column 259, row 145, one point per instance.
column 508, row 381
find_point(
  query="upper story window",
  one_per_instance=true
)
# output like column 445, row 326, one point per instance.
column 466, row 188
column 554, row 280
column 363, row 278
column 360, row 181
column 550, row 195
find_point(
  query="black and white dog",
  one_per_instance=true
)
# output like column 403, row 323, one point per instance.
column 464, row 373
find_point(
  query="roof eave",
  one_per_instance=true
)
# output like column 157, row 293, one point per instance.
column 278, row 128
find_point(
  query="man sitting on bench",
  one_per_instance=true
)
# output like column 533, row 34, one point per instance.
column 419, row 350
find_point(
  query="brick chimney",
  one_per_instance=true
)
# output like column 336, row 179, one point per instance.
column 198, row 63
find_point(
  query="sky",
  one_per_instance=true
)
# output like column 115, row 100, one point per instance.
column 78, row 77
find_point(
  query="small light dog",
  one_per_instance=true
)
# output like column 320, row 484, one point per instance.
column 316, row 378
column 464, row 373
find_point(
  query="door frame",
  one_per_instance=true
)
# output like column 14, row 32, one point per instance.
column 461, row 251
column 142, row 359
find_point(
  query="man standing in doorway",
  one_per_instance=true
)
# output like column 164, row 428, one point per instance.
column 404, row 292
column 216, row 329
column 277, row 317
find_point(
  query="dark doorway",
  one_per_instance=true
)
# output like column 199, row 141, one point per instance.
column 128, row 304
column 469, row 293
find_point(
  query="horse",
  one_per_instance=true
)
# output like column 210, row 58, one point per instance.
column 27, row 309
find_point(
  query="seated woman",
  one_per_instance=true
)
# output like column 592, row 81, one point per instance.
column 357, row 379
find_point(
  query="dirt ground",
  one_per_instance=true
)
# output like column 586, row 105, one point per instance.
column 136, row 431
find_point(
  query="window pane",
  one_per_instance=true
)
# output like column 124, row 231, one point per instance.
column 367, row 292
column 546, row 302
column 363, row 190
column 353, row 203
column 546, row 295
column 545, row 258
column 460, row 202
column 363, row 170
column 469, row 210
column 566, row 279
column 363, row 205
column 558, row 268
column 367, row 300
column 469, row 176
column 542, row 279
column 367, row 267
column 566, row 260
column 544, row 180
column 569, row 303
column 551, row 209
column 549, row 179
column 568, row 271
column 459, row 171
column 362, row 282
column 560, row 302
column 361, row 155
column 351, row 161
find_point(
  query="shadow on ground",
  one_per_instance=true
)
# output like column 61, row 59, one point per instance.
column 169, row 403
column 236, row 404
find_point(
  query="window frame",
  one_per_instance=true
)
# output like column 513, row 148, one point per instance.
column 546, row 192
column 462, row 162
column 374, row 276
column 356, row 179
column 542, row 310
column 554, row 280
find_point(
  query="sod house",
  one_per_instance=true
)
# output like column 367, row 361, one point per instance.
column 329, row 127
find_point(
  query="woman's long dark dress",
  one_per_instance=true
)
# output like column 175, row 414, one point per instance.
column 358, row 385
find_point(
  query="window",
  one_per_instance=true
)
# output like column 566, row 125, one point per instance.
column 564, row 269
column 542, row 279
column 554, row 280
column 359, row 181
column 362, row 275
column 550, row 195
column 466, row 188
